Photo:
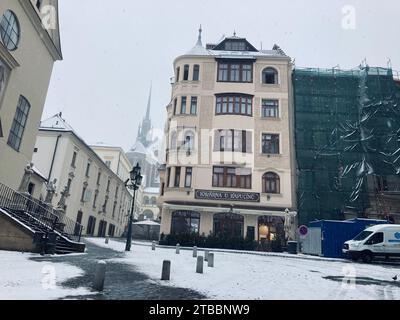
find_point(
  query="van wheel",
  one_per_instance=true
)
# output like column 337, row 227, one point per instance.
column 366, row 256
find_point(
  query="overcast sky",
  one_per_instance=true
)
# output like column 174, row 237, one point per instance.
column 113, row 50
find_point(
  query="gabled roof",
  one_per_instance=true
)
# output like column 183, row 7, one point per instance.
column 56, row 123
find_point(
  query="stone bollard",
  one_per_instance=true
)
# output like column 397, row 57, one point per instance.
column 100, row 276
column 211, row 260
column 194, row 252
column 153, row 246
column 107, row 239
column 199, row 267
column 206, row 253
column 166, row 270
column 178, row 248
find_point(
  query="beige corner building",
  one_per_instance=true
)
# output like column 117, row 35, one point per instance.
column 29, row 46
column 230, row 159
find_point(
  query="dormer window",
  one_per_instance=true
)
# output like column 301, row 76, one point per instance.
column 235, row 46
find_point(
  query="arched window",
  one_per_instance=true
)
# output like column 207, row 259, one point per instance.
column 174, row 138
column 271, row 183
column 270, row 76
column 185, row 222
column 19, row 123
column 153, row 200
column 146, row 200
column 10, row 30
column 228, row 225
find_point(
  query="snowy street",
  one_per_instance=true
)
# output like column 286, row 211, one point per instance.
column 136, row 275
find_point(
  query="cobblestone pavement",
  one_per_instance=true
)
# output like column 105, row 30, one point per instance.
column 122, row 282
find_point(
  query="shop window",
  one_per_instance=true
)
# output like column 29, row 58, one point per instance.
column 185, row 222
column 228, row 225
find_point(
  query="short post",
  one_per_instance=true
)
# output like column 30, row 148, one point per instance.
column 199, row 267
column 194, row 252
column 178, row 248
column 107, row 239
column 99, row 278
column 153, row 246
column 211, row 260
column 166, row 270
column 206, row 253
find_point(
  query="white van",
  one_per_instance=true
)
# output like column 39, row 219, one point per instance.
column 381, row 240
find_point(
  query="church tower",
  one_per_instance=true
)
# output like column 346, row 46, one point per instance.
column 145, row 127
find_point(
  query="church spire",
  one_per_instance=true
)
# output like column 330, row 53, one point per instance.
column 149, row 103
column 199, row 42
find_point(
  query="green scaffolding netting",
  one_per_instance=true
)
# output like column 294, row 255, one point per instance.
column 347, row 133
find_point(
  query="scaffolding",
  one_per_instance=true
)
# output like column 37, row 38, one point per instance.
column 347, row 132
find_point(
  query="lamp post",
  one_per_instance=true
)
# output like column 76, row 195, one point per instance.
column 136, row 181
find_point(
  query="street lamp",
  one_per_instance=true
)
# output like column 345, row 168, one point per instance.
column 136, row 181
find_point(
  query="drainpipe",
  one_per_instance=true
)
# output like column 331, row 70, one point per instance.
column 54, row 157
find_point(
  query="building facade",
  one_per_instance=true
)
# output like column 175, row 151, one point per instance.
column 115, row 158
column 229, row 159
column 86, row 188
column 29, row 46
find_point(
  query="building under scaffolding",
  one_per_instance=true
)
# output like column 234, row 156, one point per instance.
column 347, row 136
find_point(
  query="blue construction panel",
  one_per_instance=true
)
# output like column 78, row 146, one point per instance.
column 335, row 233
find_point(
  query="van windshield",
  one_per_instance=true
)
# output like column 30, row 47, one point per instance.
column 363, row 235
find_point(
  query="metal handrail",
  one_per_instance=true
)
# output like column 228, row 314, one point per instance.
column 39, row 212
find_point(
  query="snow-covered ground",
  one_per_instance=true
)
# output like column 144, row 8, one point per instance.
column 246, row 276
column 24, row 279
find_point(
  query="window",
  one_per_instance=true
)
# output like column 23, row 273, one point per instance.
column 375, row 239
column 234, row 104
column 175, row 105
column 69, row 185
column 236, row 46
column 39, row 4
column 10, row 30
column 235, row 72
column 233, row 140
column 113, row 210
column 185, row 222
column 193, row 106
column 196, row 72
column 228, row 225
column 189, row 141
column 91, row 226
column 4, row 73
column 270, row 76
column 105, row 205
column 271, row 183
column 162, row 189
column 108, row 163
column 87, row 170
column 186, row 73
column 83, row 193
column 270, row 143
column 178, row 70
column 174, row 140
column 270, row 108
column 177, row 177
column 98, row 178
column 228, row 177
column 183, row 105
column 96, row 194
column 168, row 177
column 108, row 185
column 19, row 123
column 73, row 162
column 188, row 177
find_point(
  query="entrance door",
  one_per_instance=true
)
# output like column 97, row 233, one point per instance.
column 78, row 223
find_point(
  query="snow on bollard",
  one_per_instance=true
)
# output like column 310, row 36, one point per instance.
column 206, row 253
column 166, row 270
column 107, row 239
column 100, row 276
column 195, row 252
column 211, row 260
column 178, row 248
column 199, row 267
column 153, row 246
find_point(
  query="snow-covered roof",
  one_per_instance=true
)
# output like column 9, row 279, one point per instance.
column 139, row 148
column 38, row 173
column 57, row 123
